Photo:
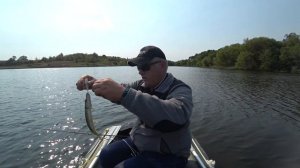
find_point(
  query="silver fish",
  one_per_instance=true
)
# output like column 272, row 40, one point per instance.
column 88, row 111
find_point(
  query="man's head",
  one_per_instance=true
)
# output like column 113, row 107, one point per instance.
column 152, row 65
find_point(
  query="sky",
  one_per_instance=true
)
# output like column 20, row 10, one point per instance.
column 181, row 28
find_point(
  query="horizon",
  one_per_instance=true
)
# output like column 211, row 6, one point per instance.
column 38, row 29
column 129, row 58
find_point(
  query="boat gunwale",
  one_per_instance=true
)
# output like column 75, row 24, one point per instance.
column 112, row 132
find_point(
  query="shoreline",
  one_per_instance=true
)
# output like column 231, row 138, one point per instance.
column 24, row 66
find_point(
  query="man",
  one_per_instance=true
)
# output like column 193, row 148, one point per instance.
column 163, row 105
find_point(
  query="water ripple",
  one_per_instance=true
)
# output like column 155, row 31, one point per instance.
column 242, row 119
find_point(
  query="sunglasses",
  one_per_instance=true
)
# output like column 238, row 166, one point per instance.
column 146, row 67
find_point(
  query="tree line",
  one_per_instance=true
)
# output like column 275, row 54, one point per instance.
column 260, row 53
column 77, row 59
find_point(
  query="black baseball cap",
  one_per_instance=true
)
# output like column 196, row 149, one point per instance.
column 146, row 54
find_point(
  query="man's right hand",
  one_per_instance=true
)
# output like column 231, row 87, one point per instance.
column 81, row 82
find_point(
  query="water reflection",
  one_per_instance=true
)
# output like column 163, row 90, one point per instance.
column 242, row 119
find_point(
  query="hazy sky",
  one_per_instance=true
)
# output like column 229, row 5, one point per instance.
column 181, row 28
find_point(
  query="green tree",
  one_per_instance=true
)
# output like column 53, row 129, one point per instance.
column 94, row 58
column 205, row 58
column 246, row 61
column 60, row 57
column 291, row 39
column 269, row 61
column 228, row 55
column 209, row 60
column 23, row 59
column 11, row 60
column 44, row 59
column 264, row 53
column 181, row 63
column 290, row 53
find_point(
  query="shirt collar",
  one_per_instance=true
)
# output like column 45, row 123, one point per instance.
column 164, row 85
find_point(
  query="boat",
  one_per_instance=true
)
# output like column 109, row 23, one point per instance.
column 197, row 159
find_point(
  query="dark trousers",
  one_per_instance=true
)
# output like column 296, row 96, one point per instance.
column 120, row 155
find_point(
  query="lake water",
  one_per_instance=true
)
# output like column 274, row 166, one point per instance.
column 241, row 119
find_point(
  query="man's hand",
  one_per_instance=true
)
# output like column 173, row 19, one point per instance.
column 108, row 89
column 81, row 82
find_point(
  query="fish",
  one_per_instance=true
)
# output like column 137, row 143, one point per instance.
column 88, row 113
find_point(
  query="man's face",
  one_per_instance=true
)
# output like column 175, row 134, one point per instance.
column 152, row 73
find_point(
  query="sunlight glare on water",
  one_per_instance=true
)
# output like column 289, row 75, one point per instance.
column 241, row 119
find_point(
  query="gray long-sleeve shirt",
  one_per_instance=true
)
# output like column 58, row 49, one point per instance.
column 164, row 125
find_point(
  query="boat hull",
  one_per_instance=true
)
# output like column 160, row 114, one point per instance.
column 197, row 159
